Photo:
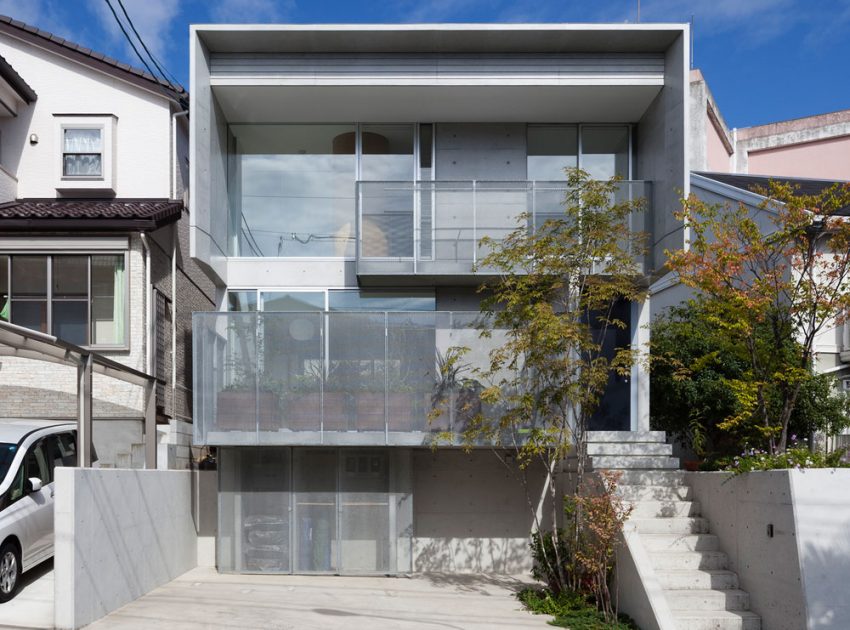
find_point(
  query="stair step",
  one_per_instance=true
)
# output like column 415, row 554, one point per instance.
column 626, row 436
column 673, row 560
column 652, row 478
column 651, row 509
column 707, row 599
column 631, row 462
column 655, row 493
column 672, row 525
column 717, row 620
column 684, row 579
column 678, row 542
column 629, row 448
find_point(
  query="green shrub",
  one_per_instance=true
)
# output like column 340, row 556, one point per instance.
column 796, row 456
column 570, row 610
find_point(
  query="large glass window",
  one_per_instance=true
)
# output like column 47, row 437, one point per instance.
column 293, row 301
column 83, row 302
column 297, row 189
column 551, row 149
column 357, row 300
column 337, row 300
column 605, row 151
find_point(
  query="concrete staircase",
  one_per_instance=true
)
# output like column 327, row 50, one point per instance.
column 702, row 594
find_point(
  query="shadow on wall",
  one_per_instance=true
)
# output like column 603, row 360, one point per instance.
column 826, row 573
column 472, row 513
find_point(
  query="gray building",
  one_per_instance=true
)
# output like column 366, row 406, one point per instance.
column 342, row 178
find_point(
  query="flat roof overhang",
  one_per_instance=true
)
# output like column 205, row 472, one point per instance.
column 480, row 104
column 437, row 38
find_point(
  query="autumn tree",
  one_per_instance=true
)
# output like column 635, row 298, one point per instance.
column 546, row 314
column 769, row 276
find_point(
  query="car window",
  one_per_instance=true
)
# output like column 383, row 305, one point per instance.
column 66, row 446
column 35, row 462
column 7, row 454
column 16, row 490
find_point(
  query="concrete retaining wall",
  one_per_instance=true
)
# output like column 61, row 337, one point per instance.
column 119, row 535
column 798, row 577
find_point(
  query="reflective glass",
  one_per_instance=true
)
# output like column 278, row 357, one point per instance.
column 605, row 151
column 4, row 288
column 551, row 149
column 241, row 301
column 70, row 321
column 70, row 277
column 387, row 152
column 296, row 186
column 358, row 300
column 108, row 286
column 30, row 314
column 293, row 301
column 29, row 277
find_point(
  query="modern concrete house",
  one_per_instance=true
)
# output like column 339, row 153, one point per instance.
column 342, row 178
column 94, row 237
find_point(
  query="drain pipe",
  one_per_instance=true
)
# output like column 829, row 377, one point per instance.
column 148, row 307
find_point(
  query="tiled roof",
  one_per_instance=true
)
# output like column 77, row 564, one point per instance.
column 86, row 55
column 16, row 81
column 138, row 214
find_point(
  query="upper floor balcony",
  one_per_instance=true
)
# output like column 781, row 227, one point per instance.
column 344, row 378
column 434, row 231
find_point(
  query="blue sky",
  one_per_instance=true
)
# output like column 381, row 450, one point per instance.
column 765, row 60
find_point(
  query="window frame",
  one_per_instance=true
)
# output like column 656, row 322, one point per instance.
column 83, row 126
column 124, row 346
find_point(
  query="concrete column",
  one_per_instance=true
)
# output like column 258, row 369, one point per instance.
column 84, row 411
column 639, row 407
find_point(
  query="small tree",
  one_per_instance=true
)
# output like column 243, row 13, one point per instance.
column 766, row 277
column 553, row 302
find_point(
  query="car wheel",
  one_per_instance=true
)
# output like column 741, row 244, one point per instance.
column 10, row 571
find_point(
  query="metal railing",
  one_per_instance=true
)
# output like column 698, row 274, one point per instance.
column 367, row 378
column 437, row 227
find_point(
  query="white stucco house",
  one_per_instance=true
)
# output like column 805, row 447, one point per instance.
column 94, row 236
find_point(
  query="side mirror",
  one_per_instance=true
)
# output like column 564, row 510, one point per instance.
column 33, row 484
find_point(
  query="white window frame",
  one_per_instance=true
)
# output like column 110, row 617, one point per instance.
column 107, row 124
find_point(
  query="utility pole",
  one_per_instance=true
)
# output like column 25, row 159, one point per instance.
column 638, row 1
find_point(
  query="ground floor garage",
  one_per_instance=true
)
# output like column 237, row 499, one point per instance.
column 372, row 511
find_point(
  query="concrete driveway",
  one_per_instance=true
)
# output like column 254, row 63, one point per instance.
column 32, row 607
column 203, row 598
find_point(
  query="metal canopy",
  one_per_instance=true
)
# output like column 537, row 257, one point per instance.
column 17, row 341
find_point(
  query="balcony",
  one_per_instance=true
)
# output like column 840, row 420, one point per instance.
column 432, row 231
column 342, row 378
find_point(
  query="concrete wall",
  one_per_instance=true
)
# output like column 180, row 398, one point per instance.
column 662, row 153
column 798, row 578
column 119, row 535
column 470, row 513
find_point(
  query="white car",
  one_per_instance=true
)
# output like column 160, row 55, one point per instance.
column 29, row 452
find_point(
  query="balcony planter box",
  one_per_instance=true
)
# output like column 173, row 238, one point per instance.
column 336, row 411
column 370, row 411
column 304, row 412
column 405, row 414
column 236, row 410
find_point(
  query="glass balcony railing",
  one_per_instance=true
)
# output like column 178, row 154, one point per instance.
column 346, row 378
column 435, row 228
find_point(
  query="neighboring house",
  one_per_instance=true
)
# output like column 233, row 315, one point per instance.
column 730, row 165
column 94, row 236
column 342, row 178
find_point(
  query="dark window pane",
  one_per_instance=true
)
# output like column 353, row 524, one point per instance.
column 4, row 288
column 29, row 276
column 70, row 321
column 242, row 301
column 387, row 152
column 70, row 277
column 605, row 151
column 293, row 301
column 551, row 149
column 30, row 314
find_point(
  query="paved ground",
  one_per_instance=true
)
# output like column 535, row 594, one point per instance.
column 203, row 598
column 32, row 607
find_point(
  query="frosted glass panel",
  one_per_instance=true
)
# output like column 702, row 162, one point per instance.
column 315, row 510
column 364, row 511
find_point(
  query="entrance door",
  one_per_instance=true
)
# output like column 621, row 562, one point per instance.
column 315, row 492
column 364, row 514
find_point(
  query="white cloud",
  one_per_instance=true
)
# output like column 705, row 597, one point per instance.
column 251, row 11
column 153, row 20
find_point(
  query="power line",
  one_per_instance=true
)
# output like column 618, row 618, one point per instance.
column 144, row 46
column 138, row 54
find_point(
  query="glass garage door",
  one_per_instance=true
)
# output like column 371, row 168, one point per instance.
column 314, row 510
